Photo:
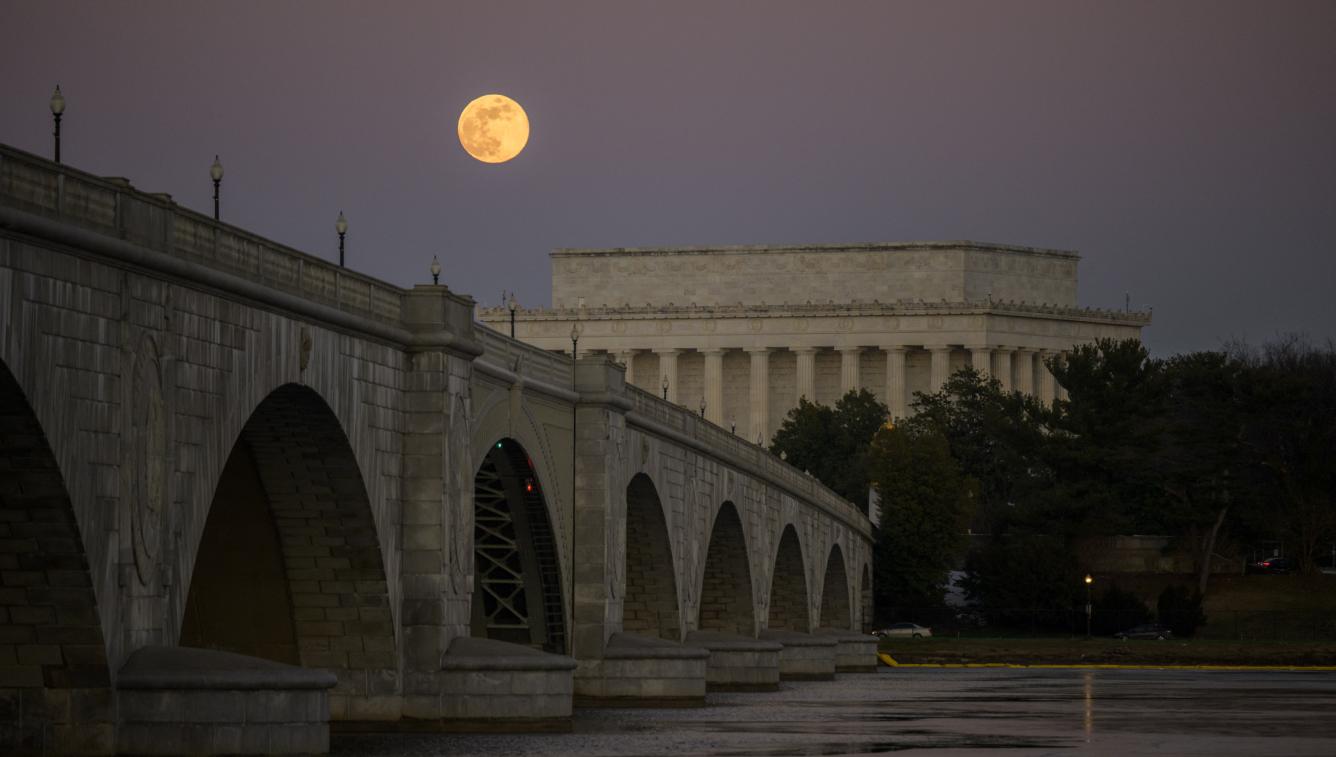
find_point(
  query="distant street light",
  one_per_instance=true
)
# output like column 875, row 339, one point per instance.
column 435, row 271
column 57, row 109
column 702, row 407
column 664, row 384
column 341, row 226
column 575, row 340
column 216, row 173
column 1088, row 580
column 512, row 305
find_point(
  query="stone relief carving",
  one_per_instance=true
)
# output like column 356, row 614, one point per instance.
column 460, row 518
column 304, row 349
column 147, row 472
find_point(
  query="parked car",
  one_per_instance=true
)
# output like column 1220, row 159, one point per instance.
column 1274, row 565
column 1147, row 631
column 912, row 630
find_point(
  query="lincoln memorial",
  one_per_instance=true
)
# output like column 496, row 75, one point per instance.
column 743, row 332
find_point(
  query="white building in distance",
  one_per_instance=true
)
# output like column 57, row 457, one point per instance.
column 745, row 331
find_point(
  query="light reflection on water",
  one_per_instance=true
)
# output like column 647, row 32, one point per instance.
column 1019, row 711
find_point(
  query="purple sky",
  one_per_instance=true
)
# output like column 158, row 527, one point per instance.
column 1186, row 149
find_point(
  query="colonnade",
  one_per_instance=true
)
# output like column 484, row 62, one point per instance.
column 1021, row 369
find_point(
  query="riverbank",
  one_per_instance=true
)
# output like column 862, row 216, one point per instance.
column 1080, row 651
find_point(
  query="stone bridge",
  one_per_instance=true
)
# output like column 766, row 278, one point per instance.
column 245, row 492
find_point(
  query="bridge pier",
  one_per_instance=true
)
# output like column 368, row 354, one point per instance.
column 179, row 700
column 805, row 656
column 737, row 662
column 642, row 671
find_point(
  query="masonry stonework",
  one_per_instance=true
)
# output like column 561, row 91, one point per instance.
column 146, row 345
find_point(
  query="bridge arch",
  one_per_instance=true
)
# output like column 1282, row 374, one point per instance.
column 835, row 609
column 788, row 586
column 57, row 669
column 726, row 601
column 310, row 585
column 651, row 602
column 517, row 595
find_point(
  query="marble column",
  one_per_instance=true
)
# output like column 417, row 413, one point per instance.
column 895, row 382
column 1003, row 372
column 668, row 370
column 806, row 383
column 941, row 367
column 1047, row 386
column 849, row 369
column 981, row 359
column 714, row 385
column 1025, row 371
column 759, row 426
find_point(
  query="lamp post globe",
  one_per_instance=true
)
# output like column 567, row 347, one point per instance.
column 512, row 305
column 341, row 226
column 57, row 110
column 1089, row 608
column 216, row 173
column 575, row 340
column 664, row 385
column 435, row 271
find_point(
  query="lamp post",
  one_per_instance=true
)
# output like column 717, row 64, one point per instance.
column 575, row 415
column 511, row 306
column 664, row 385
column 57, row 109
column 575, row 340
column 435, row 271
column 1088, row 580
column 702, row 407
column 341, row 226
column 216, row 173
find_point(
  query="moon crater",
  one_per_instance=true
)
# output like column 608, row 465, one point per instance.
column 493, row 128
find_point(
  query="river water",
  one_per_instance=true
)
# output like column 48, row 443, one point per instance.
column 946, row 711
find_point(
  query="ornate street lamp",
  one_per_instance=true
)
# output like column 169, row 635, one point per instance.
column 57, row 109
column 435, row 271
column 341, row 226
column 1088, row 580
column 216, row 173
column 664, row 384
column 702, row 407
column 575, row 339
column 511, row 305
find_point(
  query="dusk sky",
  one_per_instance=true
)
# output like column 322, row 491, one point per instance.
column 1186, row 149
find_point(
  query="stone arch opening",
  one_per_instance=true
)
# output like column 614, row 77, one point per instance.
column 289, row 566
column 517, row 593
column 865, row 598
column 726, row 602
column 649, row 605
column 788, row 586
column 54, row 683
column 835, row 609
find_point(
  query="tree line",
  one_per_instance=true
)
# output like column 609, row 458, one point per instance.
column 1218, row 450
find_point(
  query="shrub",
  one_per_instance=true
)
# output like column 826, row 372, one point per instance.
column 1180, row 609
column 1117, row 610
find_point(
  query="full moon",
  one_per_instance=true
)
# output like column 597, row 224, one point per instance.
column 493, row 128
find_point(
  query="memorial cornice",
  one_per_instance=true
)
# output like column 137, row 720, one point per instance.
column 822, row 310
column 750, row 249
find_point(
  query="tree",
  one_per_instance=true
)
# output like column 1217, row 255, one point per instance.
column 926, row 503
column 832, row 443
column 1291, row 436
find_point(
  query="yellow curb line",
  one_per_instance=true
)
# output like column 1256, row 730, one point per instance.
column 888, row 660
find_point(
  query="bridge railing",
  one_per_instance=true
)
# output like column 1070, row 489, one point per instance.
column 113, row 207
column 531, row 361
column 739, row 451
